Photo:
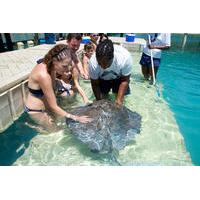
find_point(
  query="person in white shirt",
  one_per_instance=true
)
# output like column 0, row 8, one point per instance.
column 158, row 42
column 110, row 68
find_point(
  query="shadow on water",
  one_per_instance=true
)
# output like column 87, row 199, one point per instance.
column 15, row 140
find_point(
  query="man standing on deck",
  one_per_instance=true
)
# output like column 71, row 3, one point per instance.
column 110, row 67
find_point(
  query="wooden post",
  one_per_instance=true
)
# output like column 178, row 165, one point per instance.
column 36, row 38
column 1, row 44
column 9, row 43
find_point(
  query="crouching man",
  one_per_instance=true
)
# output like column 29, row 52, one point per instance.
column 110, row 68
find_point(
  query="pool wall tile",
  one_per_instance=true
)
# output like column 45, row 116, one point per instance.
column 6, row 118
column 16, row 101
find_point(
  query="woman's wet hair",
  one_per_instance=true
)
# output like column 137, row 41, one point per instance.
column 58, row 53
column 105, row 49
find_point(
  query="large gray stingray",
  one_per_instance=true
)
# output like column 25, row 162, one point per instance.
column 111, row 128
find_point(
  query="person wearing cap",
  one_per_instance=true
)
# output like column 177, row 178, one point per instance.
column 96, row 38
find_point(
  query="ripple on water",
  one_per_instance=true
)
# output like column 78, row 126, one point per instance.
column 159, row 143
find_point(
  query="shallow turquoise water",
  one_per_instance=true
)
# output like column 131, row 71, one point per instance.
column 15, row 140
column 180, row 75
column 159, row 143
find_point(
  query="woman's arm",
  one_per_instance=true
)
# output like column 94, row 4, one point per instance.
column 75, row 75
column 85, row 65
column 79, row 66
column 46, row 85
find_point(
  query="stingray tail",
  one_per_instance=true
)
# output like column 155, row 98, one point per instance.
column 113, row 158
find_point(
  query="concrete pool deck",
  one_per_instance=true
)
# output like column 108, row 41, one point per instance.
column 15, row 67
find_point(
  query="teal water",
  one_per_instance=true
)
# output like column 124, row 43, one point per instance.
column 166, row 121
column 180, row 75
column 15, row 140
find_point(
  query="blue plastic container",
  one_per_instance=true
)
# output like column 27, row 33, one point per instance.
column 42, row 41
column 130, row 37
column 50, row 38
column 85, row 40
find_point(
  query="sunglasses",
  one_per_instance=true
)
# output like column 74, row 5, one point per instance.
column 95, row 35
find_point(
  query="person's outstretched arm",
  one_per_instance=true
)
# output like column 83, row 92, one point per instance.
column 96, row 89
column 75, row 74
column 85, row 65
column 122, row 89
column 81, row 69
column 46, row 85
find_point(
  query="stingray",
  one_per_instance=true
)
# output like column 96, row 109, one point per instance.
column 111, row 128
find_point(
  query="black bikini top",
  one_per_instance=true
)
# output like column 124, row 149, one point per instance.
column 37, row 93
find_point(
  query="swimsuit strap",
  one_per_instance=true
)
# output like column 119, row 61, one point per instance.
column 26, row 109
column 39, row 61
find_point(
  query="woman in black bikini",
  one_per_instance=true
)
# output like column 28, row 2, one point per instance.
column 41, row 99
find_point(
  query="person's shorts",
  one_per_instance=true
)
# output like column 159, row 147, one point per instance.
column 107, row 85
column 146, row 61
